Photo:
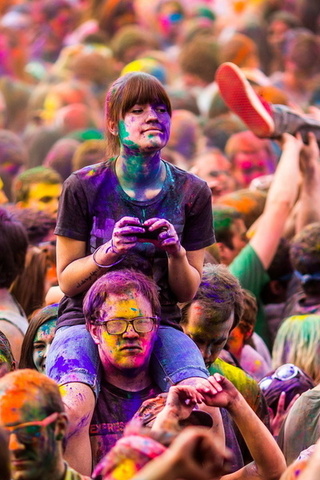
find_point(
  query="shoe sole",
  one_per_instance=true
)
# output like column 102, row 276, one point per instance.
column 240, row 97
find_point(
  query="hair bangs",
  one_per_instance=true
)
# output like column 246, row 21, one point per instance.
column 141, row 89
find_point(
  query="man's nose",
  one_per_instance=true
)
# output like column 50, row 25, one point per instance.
column 14, row 443
column 130, row 332
column 207, row 353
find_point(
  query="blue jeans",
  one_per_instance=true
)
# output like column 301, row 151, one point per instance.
column 73, row 357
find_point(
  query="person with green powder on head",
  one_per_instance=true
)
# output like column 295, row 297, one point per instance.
column 133, row 210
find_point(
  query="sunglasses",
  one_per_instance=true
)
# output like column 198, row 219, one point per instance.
column 28, row 432
column 283, row 373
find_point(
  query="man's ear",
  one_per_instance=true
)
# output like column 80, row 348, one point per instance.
column 220, row 247
column 95, row 332
column 223, row 252
column 276, row 287
column 248, row 335
column 61, row 426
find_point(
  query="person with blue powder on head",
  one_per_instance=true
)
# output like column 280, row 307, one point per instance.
column 133, row 210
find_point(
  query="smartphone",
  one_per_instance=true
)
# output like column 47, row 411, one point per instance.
column 150, row 235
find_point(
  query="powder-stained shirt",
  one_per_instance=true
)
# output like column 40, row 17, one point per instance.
column 114, row 408
column 250, row 272
column 301, row 428
column 93, row 201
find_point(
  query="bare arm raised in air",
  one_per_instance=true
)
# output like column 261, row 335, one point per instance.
column 280, row 200
column 269, row 462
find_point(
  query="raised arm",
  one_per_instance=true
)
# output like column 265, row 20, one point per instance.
column 309, row 199
column 269, row 462
column 282, row 195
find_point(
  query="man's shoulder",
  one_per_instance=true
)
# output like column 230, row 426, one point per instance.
column 247, row 267
column 246, row 255
column 236, row 375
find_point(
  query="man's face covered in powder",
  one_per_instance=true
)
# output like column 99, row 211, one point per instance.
column 32, row 448
column 209, row 335
column 130, row 350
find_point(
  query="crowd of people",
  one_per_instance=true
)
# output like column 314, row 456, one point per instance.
column 159, row 240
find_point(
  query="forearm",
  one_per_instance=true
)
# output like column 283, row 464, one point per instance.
column 166, row 420
column 309, row 211
column 284, row 186
column 268, row 458
column 281, row 198
column 184, row 278
column 79, row 275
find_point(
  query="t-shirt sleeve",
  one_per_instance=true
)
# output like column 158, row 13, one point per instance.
column 198, row 232
column 73, row 220
column 249, row 270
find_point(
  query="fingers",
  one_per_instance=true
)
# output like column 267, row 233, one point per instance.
column 159, row 231
column 124, row 221
column 212, row 388
column 186, row 394
column 167, row 229
column 281, row 403
column 124, row 235
column 167, row 238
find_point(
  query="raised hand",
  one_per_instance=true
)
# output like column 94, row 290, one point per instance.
column 180, row 402
column 219, row 393
column 277, row 420
column 309, row 156
column 182, row 399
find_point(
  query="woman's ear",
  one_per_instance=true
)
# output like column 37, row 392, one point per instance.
column 112, row 127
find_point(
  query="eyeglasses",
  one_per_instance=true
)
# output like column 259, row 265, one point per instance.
column 118, row 326
column 28, row 432
column 284, row 372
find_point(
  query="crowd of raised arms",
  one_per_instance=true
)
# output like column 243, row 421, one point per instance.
column 159, row 240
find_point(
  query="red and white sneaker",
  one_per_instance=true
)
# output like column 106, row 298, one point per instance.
column 241, row 98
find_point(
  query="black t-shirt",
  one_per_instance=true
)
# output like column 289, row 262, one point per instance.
column 93, row 201
column 114, row 408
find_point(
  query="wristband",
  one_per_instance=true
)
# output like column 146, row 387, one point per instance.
column 105, row 266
